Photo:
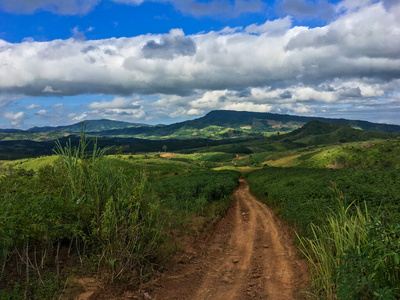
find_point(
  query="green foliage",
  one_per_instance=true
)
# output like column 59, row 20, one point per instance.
column 354, row 251
column 205, row 194
column 325, row 249
column 376, row 154
column 113, row 214
column 372, row 270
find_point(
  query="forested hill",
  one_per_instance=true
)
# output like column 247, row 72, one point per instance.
column 230, row 118
column 217, row 124
column 227, row 124
column 320, row 133
column 91, row 126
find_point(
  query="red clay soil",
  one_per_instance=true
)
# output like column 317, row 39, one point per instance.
column 248, row 255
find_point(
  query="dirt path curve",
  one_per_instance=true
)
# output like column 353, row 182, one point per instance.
column 249, row 255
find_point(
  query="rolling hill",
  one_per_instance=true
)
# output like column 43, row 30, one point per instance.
column 216, row 125
column 321, row 133
column 91, row 126
column 220, row 124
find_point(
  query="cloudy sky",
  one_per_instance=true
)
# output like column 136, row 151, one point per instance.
column 163, row 61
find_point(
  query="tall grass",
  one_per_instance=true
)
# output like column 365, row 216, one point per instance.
column 355, row 255
column 118, row 214
column 106, row 213
column 325, row 250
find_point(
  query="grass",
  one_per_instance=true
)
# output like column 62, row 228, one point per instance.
column 30, row 163
column 326, row 248
column 119, row 212
column 115, row 214
column 353, row 242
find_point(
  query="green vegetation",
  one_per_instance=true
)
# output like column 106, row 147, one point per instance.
column 90, row 209
column 91, row 126
column 352, row 240
column 99, row 214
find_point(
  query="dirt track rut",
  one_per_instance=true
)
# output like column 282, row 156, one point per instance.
column 249, row 255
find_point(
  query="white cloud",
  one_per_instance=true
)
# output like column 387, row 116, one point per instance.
column 276, row 27
column 16, row 119
column 32, row 106
column 49, row 89
column 41, row 112
column 117, row 103
column 120, row 108
column 363, row 45
column 354, row 60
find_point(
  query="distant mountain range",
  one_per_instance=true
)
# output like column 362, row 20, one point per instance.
column 222, row 131
column 217, row 124
column 220, row 124
column 91, row 126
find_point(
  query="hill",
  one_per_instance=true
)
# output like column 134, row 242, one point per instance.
column 221, row 124
column 91, row 126
column 281, row 121
column 321, row 133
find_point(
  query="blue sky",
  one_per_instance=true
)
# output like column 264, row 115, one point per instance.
column 164, row 61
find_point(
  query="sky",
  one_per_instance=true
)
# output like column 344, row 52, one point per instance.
column 165, row 61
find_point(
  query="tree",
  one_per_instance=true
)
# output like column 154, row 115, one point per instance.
column 164, row 148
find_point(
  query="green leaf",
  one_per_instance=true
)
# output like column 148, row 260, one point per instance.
column 396, row 259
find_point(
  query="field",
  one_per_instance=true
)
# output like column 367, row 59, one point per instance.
column 73, row 213
column 343, row 202
column 81, row 212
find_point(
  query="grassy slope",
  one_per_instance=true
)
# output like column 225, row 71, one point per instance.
column 344, row 242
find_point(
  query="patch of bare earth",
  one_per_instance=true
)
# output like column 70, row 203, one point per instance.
column 249, row 255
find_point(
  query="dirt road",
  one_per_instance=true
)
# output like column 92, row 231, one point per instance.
column 249, row 255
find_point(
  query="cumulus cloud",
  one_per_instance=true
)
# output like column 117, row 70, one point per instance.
column 41, row 112
column 351, row 63
column 49, row 89
column 120, row 108
column 360, row 45
column 16, row 119
column 170, row 45
column 276, row 27
column 32, row 106
column 117, row 103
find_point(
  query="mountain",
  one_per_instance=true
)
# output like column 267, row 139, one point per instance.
column 11, row 130
column 319, row 133
column 219, row 124
column 91, row 126
column 267, row 120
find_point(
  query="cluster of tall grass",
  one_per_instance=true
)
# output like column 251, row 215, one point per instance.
column 348, row 231
column 205, row 195
column 105, row 214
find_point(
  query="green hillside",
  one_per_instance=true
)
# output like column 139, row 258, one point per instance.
column 319, row 133
column 222, row 124
column 91, row 126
